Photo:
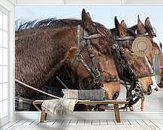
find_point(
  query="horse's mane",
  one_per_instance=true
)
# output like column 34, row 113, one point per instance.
column 51, row 22
column 45, row 23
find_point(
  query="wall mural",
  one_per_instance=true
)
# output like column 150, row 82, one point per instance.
column 64, row 48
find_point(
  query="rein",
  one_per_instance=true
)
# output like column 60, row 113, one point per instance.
column 135, row 91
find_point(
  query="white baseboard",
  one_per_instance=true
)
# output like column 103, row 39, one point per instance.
column 94, row 115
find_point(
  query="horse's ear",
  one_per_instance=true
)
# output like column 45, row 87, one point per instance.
column 123, row 24
column 87, row 22
column 121, row 29
column 88, row 14
column 148, row 25
column 116, row 22
column 140, row 27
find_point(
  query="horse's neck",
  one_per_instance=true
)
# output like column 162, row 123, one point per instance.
column 44, row 40
column 39, row 52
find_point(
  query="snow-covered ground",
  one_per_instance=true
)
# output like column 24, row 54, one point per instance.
column 153, row 102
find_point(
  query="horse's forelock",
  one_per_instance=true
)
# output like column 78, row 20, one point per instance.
column 157, row 43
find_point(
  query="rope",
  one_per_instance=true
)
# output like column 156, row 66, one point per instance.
column 61, row 82
column 40, row 91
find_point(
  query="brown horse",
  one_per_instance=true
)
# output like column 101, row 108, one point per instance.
column 147, row 29
column 138, row 64
column 43, row 49
column 135, row 68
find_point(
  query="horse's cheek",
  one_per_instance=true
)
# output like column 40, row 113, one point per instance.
column 82, row 72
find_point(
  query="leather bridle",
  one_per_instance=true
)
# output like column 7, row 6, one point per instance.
column 135, row 91
column 84, row 42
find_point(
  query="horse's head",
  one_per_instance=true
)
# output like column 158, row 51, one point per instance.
column 140, row 65
column 104, row 41
column 147, row 30
column 96, row 61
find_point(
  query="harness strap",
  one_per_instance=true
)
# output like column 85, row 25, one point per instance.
column 94, row 36
column 124, row 38
column 83, row 43
column 144, row 34
column 135, row 85
column 147, row 34
column 95, row 70
column 85, row 65
column 146, row 75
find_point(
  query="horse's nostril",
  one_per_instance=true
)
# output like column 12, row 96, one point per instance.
column 149, row 90
column 115, row 96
